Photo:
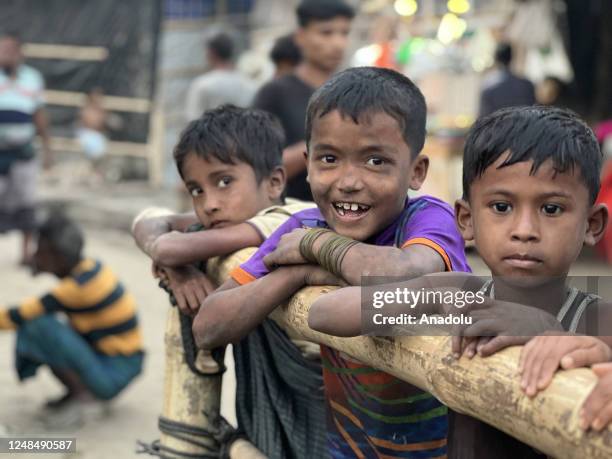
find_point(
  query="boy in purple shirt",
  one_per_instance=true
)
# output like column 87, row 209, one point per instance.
column 365, row 129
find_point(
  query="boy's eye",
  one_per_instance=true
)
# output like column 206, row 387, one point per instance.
column 376, row 161
column 195, row 192
column 328, row 159
column 501, row 207
column 225, row 181
column 552, row 209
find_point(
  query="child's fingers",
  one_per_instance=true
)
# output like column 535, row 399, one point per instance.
column 496, row 344
column 584, row 357
column 525, row 355
column 547, row 371
column 527, row 368
column 602, row 369
column 536, row 371
column 599, row 399
column 485, row 327
column 603, row 418
column 469, row 347
column 456, row 345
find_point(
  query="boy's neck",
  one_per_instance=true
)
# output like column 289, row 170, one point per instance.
column 548, row 296
column 311, row 74
column 67, row 268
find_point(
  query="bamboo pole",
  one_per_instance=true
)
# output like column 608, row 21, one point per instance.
column 188, row 396
column 485, row 388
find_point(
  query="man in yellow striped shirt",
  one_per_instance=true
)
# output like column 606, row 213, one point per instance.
column 85, row 329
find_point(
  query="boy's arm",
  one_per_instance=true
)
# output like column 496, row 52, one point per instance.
column 152, row 223
column 338, row 313
column 66, row 293
column 363, row 259
column 177, row 249
column 232, row 311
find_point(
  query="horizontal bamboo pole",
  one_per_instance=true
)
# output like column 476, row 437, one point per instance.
column 485, row 388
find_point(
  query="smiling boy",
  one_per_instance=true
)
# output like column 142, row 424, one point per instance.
column 365, row 129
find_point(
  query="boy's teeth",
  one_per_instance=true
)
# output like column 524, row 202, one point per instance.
column 346, row 206
column 341, row 211
column 354, row 207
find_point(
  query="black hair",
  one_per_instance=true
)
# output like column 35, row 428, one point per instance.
column 12, row 34
column 64, row 236
column 361, row 91
column 503, row 54
column 222, row 46
column 535, row 133
column 231, row 134
column 322, row 10
column 285, row 50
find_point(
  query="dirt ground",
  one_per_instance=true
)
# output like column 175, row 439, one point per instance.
column 133, row 416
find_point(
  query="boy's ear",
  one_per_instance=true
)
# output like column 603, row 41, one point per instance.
column 463, row 217
column 420, row 165
column 596, row 224
column 276, row 183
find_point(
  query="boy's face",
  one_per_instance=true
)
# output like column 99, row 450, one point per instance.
column 529, row 225
column 360, row 174
column 323, row 43
column 45, row 259
column 227, row 194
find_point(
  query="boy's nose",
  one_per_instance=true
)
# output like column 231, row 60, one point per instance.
column 350, row 181
column 211, row 205
column 526, row 227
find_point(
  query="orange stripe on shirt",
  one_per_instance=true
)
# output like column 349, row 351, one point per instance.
column 241, row 276
column 408, row 447
column 349, row 440
column 342, row 410
column 432, row 245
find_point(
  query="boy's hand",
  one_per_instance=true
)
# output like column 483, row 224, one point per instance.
column 287, row 251
column 190, row 287
column 596, row 412
column 507, row 324
column 315, row 275
column 543, row 355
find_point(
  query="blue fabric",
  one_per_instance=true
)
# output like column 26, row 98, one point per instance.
column 48, row 341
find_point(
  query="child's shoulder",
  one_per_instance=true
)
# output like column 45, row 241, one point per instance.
column 432, row 203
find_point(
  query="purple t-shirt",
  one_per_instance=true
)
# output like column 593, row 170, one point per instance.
column 432, row 223
column 371, row 413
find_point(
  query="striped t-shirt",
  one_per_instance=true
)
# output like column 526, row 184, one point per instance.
column 96, row 304
column 371, row 413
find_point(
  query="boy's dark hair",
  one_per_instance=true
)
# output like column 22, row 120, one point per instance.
column 535, row 133
column 64, row 236
column 503, row 54
column 222, row 46
column 285, row 50
column 322, row 10
column 12, row 34
column 367, row 90
column 231, row 135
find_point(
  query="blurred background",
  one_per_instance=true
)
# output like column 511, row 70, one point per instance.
column 117, row 76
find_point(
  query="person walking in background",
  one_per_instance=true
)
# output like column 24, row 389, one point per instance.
column 502, row 88
column 322, row 37
column 222, row 84
column 285, row 55
column 22, row 116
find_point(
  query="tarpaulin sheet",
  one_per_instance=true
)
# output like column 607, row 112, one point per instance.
column 129, row 30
